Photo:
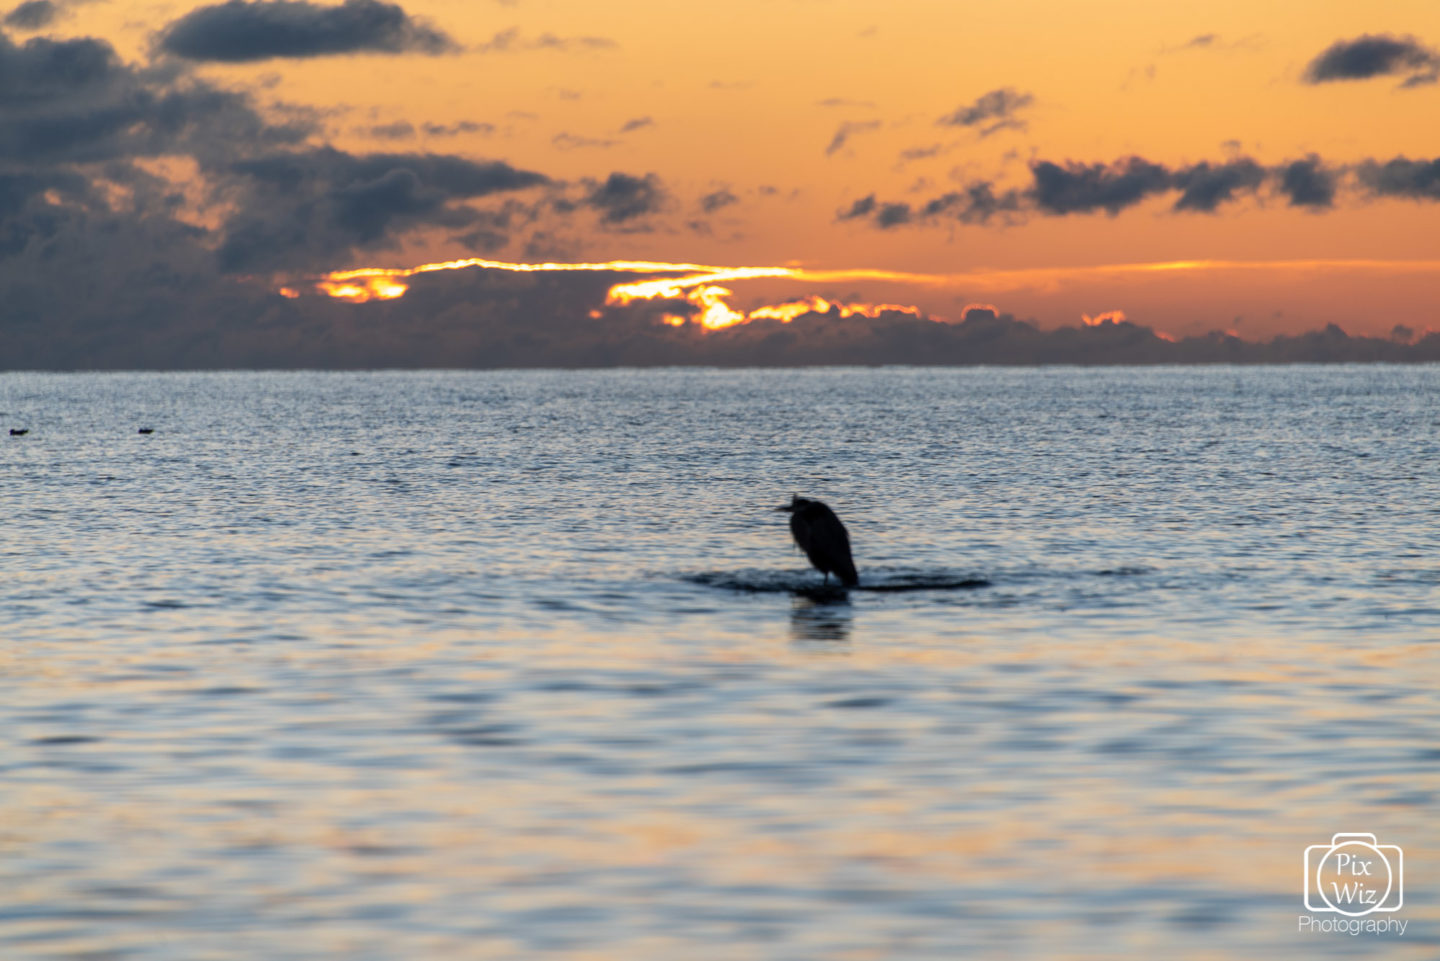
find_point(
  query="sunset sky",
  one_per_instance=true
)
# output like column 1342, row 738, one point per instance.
column 1262, row 168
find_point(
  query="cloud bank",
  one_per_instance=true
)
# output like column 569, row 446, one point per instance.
column 241, row 31
column 1066, row 188
column 314, row 206
column 490, row 319
column 143, row 209
column 110, row 256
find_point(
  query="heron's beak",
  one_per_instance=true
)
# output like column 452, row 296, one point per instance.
column 786, row 508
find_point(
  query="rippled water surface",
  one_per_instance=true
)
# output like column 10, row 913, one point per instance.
column 523, row 664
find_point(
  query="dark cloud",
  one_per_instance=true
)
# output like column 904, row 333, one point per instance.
column 624, row 198
column 882, row 215
column 1213, row 41
column 490, row 230
column 510, row 40
column 73, row 101
column 1374, row 55
column 310, row 207
column 892, row 215
column 846, row 131
column 22, row 217
column 240, row 31
column 95, row 259
column 636, row 124
column 1308, row 183
column 921, row 153
column 548, row 41
column 976, row 203
column 455, row 129
column 718, row 199
column 1060, row 189
column 32, row 15
column 48, row 73
column 399, row 130
column 863, row 207
column 1084, row 188
column 569, row 141
column 90, row 285
column 1402, row 177
column 1205, row 186
column 991, row 112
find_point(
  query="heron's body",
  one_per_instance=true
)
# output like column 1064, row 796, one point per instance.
column 822, row 537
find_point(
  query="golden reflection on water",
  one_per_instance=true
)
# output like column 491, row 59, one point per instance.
column 1060, row 821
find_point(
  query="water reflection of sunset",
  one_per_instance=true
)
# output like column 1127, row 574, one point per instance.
column 1098, row 833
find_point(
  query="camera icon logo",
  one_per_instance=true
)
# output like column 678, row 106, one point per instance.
column 1354, row 876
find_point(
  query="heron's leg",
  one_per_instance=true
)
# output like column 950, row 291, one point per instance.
column 827, row 577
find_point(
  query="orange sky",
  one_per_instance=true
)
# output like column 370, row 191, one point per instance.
column 736, row 94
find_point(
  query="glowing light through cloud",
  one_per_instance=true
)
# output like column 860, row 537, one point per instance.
column 819, row 305
column 699, row 285
column 713, row 312
column 704, row 287
column 387, row 283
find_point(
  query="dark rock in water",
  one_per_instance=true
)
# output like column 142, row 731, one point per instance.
column 146, row 430
column 19, row 431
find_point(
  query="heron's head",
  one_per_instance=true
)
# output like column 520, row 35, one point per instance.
column 796, row 502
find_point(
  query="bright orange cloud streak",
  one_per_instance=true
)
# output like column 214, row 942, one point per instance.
column 387, row 283
column 701, row 285
column 788, row 311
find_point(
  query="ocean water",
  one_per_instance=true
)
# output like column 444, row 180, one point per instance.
column 471, row 665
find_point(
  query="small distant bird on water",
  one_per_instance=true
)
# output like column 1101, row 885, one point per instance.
column 19, row 431
column 823, row 538
column 146, row 430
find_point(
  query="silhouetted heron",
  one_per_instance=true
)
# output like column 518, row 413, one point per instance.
column 823, row 538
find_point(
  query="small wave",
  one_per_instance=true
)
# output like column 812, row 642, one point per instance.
column 899, row 579
column 882, row 580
